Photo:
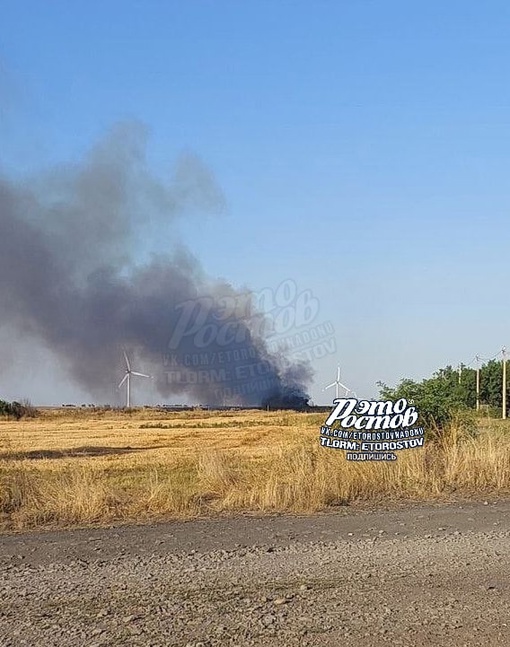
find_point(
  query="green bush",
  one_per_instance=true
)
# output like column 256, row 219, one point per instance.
column 440, row 401
column 17, row 410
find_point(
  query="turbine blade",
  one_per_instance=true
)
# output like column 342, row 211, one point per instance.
column 139, row 374
column 338, row 373
column 329, row 386
column 127, row 360
column 123, row 380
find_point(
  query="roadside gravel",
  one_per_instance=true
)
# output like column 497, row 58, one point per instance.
column 414, row 576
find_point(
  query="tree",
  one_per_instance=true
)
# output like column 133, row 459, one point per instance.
column 17, row 410
column 438, row 399
column 451, row 392
column 491, row 382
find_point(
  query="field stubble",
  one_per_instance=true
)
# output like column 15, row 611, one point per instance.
column 64, row 469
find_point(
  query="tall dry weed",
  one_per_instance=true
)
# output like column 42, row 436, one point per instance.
column 294, row 475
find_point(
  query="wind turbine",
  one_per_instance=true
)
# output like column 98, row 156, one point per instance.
column 127, row 379
column 338, row 384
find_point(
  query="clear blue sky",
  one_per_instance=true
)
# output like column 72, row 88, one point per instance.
column 362, row 146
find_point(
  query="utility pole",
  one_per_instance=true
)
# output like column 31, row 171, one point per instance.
column 460, row 371
column 477, row 383
column 504, row 382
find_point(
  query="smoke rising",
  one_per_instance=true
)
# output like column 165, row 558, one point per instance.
column 76, row 275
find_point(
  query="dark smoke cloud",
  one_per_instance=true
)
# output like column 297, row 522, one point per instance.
column 71, row 277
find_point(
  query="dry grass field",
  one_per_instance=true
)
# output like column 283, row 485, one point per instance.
column 79, row 467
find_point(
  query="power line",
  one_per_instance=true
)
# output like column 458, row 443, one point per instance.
column 478, row 359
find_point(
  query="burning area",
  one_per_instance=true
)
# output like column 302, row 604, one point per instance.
column 72, row 276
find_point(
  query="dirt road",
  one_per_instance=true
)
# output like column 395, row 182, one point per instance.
column 415, row 576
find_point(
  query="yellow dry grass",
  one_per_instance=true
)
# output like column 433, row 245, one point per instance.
column 73, row 468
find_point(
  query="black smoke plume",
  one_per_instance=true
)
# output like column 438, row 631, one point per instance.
column 72, row 242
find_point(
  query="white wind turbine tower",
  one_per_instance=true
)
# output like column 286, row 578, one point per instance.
column 338, row 384
column 127, row 379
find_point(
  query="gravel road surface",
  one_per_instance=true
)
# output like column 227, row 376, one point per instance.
column 415, row 576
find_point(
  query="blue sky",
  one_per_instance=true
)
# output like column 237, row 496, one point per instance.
column 362, row 147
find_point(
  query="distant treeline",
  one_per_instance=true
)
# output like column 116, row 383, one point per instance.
column 452, row 391
column 17, row 410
